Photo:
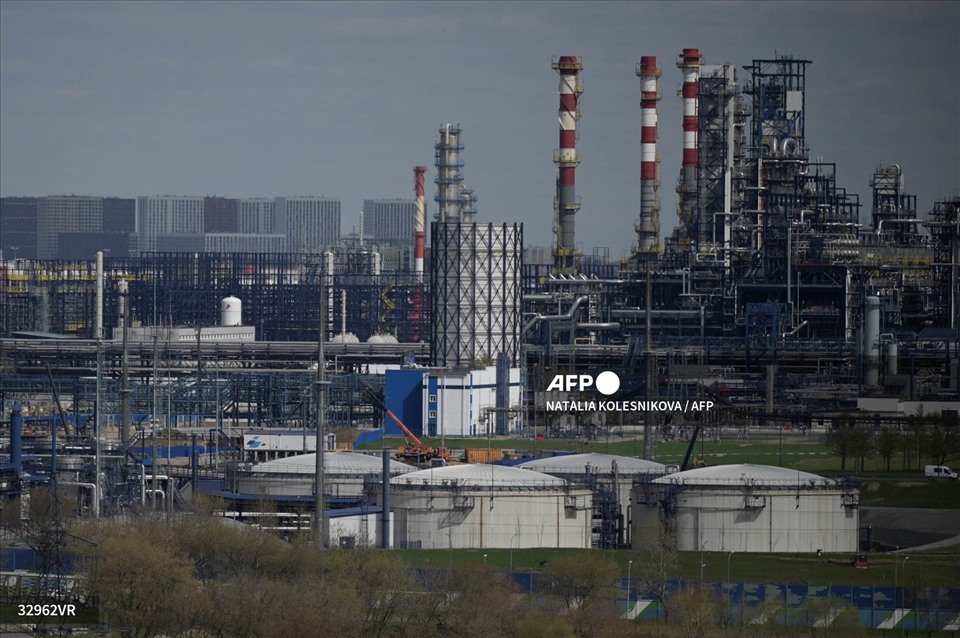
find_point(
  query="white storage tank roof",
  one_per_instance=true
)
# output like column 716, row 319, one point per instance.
column 577, row 464
column 746, row 475
column 345, row 337
column 343, row 463
column 479, row 475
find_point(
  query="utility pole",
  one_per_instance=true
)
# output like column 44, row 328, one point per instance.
column 124, row 372
column 320, row 533
column 649, row 369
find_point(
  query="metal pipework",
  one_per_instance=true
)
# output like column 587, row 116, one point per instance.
column 574, row 310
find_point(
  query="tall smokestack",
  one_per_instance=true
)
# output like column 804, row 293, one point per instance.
column 689, row 63
column 419, row 221
column 565, row 252
column 648, row 230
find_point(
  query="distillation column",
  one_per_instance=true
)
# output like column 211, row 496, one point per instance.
column 419, row 221
column 689, row 63
column 648, row 230
column 566, row 206
column 449, row 174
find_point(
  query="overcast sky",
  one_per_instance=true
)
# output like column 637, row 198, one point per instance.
column 343, row 99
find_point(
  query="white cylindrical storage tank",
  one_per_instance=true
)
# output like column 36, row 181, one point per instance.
column 345, row 475
column 871, row 341
column 749, row 508
column 892, row 350
column 488, row 506
column 231, row 312
column 475, row 300
column 606, row 474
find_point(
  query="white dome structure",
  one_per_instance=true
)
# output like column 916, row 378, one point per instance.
column 749, row 508
column 611, row 479
column 345, row 473
column 487, row 506
column 345, row 337
column 570, row 464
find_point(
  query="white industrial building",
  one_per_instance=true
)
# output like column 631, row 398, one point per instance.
column 488, row 506
column 231, row 328
column 749, row 508
column 461, row 403
column 611, row 479
column 345, row 474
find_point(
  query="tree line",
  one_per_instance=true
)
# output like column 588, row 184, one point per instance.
column 935, row 439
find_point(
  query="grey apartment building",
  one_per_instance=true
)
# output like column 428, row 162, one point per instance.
column 389, row 221
column 255, row 215
column 66, row 226
column 309, row 223
column 18, row 227
column 167, row 215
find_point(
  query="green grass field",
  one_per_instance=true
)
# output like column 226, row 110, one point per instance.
column 896, row 488
column 806, row 452
column 923, row 569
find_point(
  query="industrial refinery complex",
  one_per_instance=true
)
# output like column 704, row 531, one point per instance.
column 253, row 351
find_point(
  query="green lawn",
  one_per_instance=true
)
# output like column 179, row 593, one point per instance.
column 806, row 452
column 925, row 569
column 910, row 492
column 896, row 488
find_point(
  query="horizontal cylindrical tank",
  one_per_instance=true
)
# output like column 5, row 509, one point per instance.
column 231, row 312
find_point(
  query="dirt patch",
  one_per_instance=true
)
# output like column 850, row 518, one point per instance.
column 910, row 484
column 872, row 486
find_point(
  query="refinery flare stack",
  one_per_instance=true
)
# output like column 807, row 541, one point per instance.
column 648, row 230
column 689, row 62
column 565, row 253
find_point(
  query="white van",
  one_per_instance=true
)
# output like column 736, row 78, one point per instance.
column 939, row 471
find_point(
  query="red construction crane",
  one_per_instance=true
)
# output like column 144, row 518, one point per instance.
column 413, row 449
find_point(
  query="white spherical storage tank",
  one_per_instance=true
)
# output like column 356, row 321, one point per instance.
column 749, row 508
column 231, row 312
column 488, row 506
column 344, row 472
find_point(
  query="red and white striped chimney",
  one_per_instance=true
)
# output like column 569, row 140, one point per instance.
column 419, row 220
column 564, row 254
column 689, row 63
column 648, row 230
